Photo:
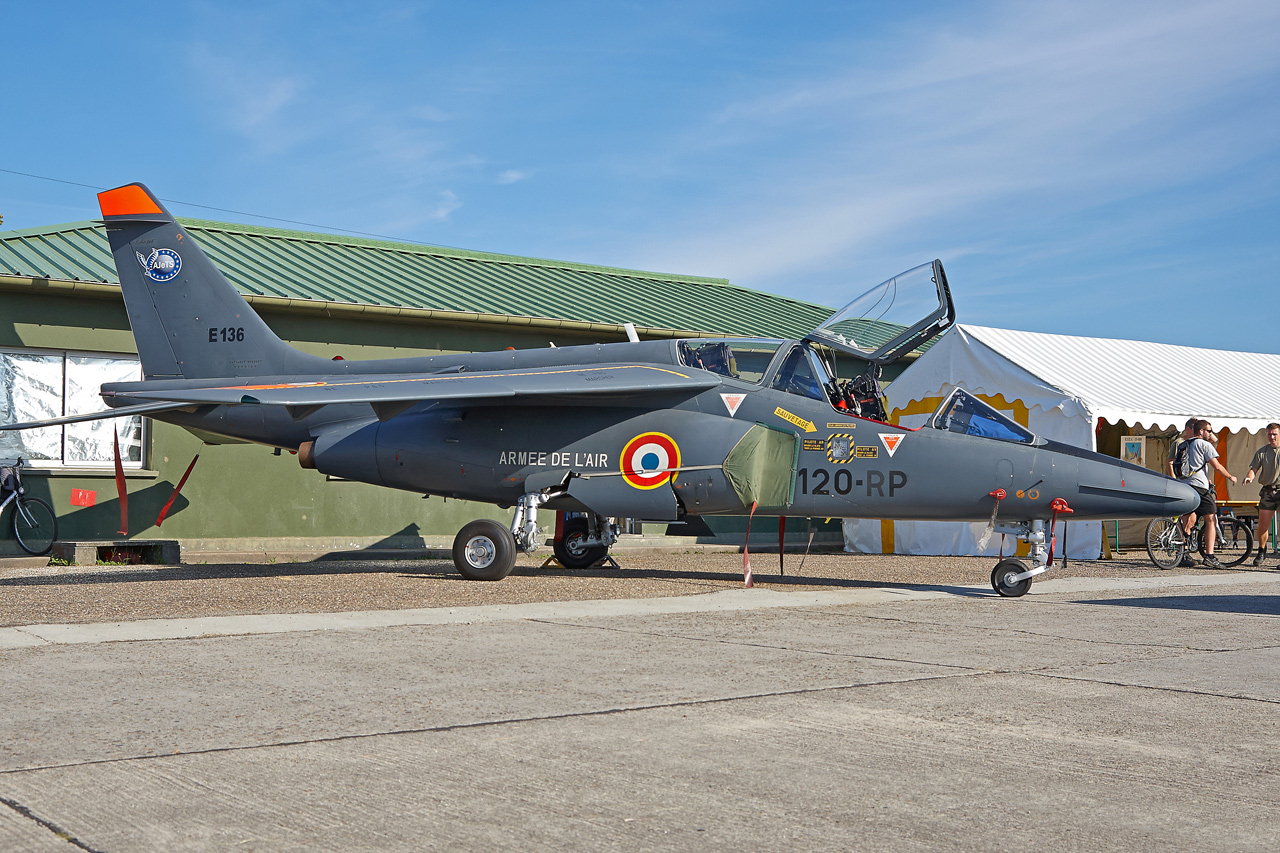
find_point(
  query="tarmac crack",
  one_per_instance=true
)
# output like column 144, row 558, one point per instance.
column 47, row 824
column 1155, row 687
column 485, row 724
column 750, row 645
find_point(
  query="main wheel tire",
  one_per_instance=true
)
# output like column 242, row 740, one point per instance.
column 34, row 526
column 570, row 549
column 484, row 550
column 1165, row 544
column 1234, row 545
column 1006, row 569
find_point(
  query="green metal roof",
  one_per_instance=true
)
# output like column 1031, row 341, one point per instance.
column 299, row 265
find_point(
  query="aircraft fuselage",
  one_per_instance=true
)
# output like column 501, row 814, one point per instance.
column 844, row 466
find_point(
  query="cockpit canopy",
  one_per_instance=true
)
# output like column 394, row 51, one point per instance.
column 892, row 318
column 879, row 327
column 964, row 413
column 747, row 359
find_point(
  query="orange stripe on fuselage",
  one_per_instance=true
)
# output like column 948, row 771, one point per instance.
column 443, row 378
column 126, row 201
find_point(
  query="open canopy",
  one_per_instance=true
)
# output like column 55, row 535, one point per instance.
column 892, row 318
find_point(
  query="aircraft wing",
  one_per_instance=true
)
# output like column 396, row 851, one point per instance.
column 122, row 412
column 597, row 380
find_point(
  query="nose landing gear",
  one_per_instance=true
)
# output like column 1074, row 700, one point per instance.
column 1011, row 578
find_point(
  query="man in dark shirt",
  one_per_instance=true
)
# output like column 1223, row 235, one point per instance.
column 1266, row 465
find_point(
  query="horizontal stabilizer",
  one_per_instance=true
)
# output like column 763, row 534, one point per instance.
column 122, row 412
column 600, row 380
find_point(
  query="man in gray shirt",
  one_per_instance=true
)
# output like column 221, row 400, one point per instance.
column 1266, row 465
column 1201, row 455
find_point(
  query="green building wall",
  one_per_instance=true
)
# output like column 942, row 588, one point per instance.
column 243, row 496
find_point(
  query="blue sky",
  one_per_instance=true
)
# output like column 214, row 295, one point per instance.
column 1090, row 168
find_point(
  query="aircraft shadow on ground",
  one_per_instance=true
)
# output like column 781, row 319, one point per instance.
column 1257, row 605
column 441, row 569
column 604, row 573
column 219, row 571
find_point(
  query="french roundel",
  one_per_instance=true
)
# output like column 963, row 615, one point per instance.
column 649, row 460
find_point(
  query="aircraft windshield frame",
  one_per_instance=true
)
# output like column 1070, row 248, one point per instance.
column 965, row 414
column 745, row 359
column 892, row 310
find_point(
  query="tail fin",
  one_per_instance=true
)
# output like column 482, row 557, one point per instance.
column 188, row 321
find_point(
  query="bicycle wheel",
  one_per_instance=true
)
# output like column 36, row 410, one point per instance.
column 1164, row 542
column 1235, row 542
column 34, row 526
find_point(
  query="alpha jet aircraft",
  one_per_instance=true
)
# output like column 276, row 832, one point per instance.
column 656, row 430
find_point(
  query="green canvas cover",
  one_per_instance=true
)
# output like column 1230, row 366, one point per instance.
column 761, row 468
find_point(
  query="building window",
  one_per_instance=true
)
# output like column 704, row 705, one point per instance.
column 40, row 384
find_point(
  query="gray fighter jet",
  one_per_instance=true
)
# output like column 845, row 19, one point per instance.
column 657, row 430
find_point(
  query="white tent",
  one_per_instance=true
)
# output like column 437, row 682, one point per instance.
column 1061, row 387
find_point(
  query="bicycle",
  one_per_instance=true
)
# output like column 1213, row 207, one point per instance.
column 1167, row 545
column 34, row 524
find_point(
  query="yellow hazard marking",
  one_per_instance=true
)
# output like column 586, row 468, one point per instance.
column 839, row 447
column 807, row 426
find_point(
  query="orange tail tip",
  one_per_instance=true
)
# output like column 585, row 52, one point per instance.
column 128, row 200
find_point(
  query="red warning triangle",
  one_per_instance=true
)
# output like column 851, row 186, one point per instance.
column 732, row 402
column 891, row 440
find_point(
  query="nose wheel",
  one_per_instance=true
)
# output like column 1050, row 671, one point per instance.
column 1005, row 581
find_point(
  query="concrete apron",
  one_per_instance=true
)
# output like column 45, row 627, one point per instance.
column 724, row 601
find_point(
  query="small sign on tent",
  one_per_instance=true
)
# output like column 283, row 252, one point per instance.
column 1133, row 449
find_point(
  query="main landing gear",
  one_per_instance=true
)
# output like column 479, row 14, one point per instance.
column 485, row 550
column 581, row 543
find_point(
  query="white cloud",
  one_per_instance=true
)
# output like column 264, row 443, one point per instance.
column 1066, row 108
column 253, row 99
column 511, row 176
column 447, row 204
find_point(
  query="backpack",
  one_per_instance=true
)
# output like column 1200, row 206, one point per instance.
column 1182, row 460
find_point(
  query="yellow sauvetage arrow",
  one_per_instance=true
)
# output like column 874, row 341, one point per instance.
column 807, row 426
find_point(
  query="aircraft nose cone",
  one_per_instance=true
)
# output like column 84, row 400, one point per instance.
column 1185, row 498
column 1109, row 489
